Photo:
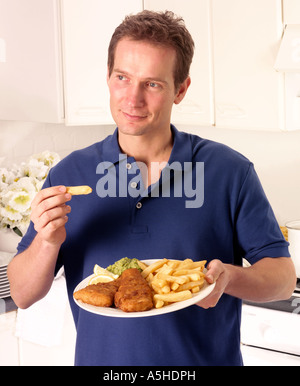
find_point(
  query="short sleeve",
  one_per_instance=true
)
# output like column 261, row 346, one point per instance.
column 257, row 230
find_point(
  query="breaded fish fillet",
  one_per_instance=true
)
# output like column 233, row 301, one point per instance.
column 134, row 293
column 100, row 295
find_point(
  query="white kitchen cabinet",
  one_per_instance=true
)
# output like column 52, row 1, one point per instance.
column 197, row 106
column 86, row 31
column 9, row 346
column 30, row 61
column 291, row 11
column 53, row 56
column 249, row 92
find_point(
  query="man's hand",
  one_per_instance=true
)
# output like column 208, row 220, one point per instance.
column 269, row 279
column 49, row 214
column 31, row 272
column 216, row 273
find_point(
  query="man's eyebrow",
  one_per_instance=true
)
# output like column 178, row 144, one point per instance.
column 119, row 71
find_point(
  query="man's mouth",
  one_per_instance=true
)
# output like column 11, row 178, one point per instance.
column 133, row 117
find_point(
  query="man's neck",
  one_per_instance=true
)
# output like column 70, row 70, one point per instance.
column 153, row 151
column 147, row 149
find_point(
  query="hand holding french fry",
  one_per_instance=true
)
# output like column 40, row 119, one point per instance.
column 50, row 213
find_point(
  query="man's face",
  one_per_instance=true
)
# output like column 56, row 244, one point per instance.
column 141, row 85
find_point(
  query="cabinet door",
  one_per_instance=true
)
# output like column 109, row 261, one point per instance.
column 30, row 71
column 86, row 31
column 197, row 106
column 291, row 11
column 248, row 90
column 9, row 355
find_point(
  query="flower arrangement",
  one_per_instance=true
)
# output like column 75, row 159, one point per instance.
column 18, row 187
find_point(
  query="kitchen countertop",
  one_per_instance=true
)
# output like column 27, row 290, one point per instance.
column 7, row 305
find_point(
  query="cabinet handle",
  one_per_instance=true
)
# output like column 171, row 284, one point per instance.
column 230, row 111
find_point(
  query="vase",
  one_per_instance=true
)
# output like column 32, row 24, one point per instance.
column 9, row 241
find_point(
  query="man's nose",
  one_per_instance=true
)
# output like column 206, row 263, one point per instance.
column 135, row 95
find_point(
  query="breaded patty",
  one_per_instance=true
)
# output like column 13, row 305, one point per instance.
column 101, row 294
column 134, row 293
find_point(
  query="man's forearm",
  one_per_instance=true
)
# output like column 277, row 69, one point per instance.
column 31, row 273
column 267, row 280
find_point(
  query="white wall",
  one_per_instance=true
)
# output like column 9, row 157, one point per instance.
column 276, row 157
column 275, row 154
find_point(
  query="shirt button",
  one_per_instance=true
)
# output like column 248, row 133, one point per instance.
column 133, row 185
column 128, row 166
column 139, row 205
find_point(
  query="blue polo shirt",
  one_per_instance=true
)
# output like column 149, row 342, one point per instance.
column 218, row 210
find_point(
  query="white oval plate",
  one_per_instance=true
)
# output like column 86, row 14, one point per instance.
column 117, row 313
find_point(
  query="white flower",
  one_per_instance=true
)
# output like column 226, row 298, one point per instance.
column 7, row 177
column 18, row 188
column 35, row 169
column 17, row 199
column 47, row 158
column 19, row 194
column 39, row 165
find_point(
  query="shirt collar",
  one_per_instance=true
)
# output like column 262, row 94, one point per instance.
column 181, row 152
column 111, row 149
column 182, row 148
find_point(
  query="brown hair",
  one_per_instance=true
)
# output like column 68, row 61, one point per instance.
column 163, row 28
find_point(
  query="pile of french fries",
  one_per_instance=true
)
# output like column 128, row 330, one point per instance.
column 174, row 280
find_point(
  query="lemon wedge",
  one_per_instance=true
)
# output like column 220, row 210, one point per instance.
column 95, row 279
column 102, row 271
column 101, row 275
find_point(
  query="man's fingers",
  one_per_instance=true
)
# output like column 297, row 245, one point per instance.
column 50, row 205
column 48, row 192
column 51, row 216
column 214, row 270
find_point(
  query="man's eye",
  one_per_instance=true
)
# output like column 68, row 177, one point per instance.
column 121, row 77
column 153, row 85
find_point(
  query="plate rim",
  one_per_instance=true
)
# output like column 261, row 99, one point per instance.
column 115, row 312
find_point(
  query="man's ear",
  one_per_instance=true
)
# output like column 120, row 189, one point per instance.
column 182, row 90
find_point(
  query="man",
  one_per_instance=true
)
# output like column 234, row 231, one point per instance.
column 148, row 71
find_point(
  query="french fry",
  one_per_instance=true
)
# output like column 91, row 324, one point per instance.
column 153, row 267
column 166, row 289
column 174, row 263
column 174, row 296
column 190, row 285
column 159, row 282
column 174, row 280
column 194, row 276
column 157, row 289
column 159, row 303
column 174, row 286
column 186, row 261
column 142, row 265
column 181, row 272
column 193, row 264
column 195, row 289
column 150, row 278
column 78, row 190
